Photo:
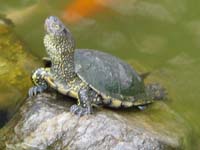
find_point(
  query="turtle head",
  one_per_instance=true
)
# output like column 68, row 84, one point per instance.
column 58, row 38
column 55, row 27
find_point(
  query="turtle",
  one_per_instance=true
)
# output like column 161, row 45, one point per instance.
column 93, row 77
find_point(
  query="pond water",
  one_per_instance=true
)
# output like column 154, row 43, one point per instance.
column 162, row 36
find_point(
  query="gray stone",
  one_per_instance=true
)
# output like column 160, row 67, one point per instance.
column 44, row 122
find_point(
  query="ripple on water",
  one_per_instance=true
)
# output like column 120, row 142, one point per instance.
column 151, row 44
column 113, row 40
column 181, row 59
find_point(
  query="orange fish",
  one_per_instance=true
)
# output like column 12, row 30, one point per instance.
column 82, row 8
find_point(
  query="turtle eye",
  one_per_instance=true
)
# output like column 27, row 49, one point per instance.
column 55, row 26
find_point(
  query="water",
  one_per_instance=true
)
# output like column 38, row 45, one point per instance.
column 162, row 36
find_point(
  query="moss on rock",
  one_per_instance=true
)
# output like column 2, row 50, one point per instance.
column 16, row 65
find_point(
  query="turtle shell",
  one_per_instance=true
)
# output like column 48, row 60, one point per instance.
column 107, row 74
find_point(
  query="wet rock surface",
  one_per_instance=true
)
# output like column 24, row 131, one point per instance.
column 44, row 122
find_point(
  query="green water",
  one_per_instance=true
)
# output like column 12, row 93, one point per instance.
column 163, row 36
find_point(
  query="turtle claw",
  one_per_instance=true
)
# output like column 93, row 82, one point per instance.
column 80, row 111
column 30, row 92
column 35, row 90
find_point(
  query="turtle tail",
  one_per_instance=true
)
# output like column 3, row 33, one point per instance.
column 144, row 75
column 156, row 91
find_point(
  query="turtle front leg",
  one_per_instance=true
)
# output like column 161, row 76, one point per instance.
column 38, row 79
column 84, row 106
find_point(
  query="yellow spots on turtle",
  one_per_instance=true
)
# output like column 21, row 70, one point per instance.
column 115, row 103
column 99, row 93
column 75, row 88
column 34, row 78
column 94, row 100
column 82, row 84
column 79, row 102
column 141, row 102
column 73, row 94
column 38, row 75
column 47, row 69
column 84, row 105
column 98, row 99
column 72, row 82
column 138, row 102
column 127, row 104
column 106, row 100
column 68, row 65
column 62, row 66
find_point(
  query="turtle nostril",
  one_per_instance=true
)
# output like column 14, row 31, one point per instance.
column 55, row 19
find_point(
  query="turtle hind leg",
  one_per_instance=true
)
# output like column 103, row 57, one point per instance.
column 84, row 106
column 156, row 91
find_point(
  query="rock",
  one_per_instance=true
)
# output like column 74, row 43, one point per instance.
column 5, row 21
column 16, row 65
column 44, row 122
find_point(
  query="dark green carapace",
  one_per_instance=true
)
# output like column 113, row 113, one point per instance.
column 92, row 77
